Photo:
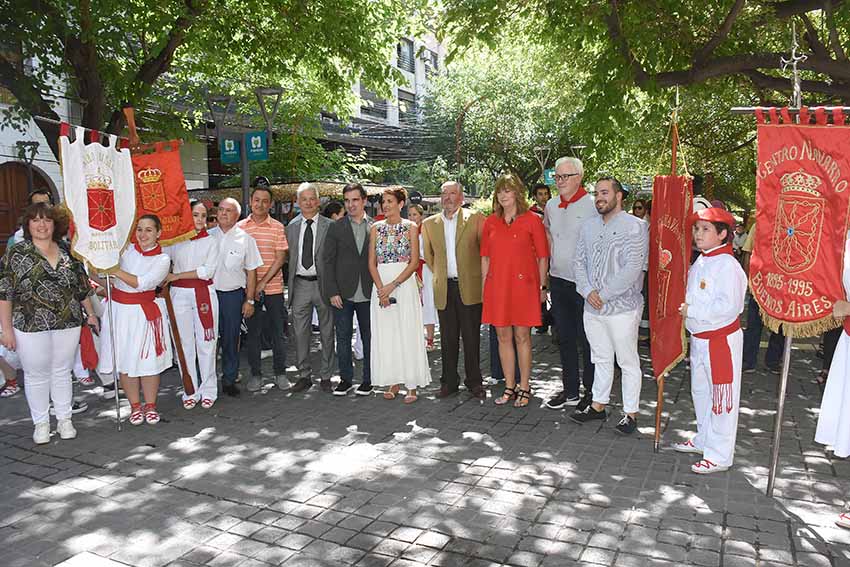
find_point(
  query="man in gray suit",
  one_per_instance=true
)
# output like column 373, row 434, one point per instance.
column 347, row 285
column 306, row 234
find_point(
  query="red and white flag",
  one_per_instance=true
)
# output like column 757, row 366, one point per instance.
column 99, row 191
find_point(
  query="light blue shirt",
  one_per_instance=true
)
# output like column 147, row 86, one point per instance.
column 610, row 258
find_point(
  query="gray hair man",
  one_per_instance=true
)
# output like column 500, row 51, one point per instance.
column 563, row 217
column 235, row 281
column 307, row 233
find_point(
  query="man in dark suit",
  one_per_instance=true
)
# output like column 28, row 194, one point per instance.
column 347, row 284
column 307, row 235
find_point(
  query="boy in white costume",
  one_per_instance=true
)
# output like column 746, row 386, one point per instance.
column 713, row 303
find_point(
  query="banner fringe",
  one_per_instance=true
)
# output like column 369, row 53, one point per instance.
column 800, row 330
column 182, row 238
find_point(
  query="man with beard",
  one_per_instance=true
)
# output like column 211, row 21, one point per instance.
column 610, row 258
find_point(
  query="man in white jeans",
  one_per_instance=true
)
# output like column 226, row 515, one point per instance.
column 609, row 263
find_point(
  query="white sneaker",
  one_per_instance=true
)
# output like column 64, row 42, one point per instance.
column 687, row 447
column 66, row 429
column 41, row 435
column 705, row 466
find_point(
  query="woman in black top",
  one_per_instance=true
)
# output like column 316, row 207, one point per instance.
column 44, row 300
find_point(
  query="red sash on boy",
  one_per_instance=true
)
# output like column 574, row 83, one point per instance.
column 202, row 296
column 147, row 301
column 720, row 354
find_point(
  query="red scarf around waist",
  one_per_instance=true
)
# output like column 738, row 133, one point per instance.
column 147, row 301
column 720, row 356
column 202, row 301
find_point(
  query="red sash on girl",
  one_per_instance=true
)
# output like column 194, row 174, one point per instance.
column 88, row 354
column 147, row 301
column 202, row 301
column 720, row 356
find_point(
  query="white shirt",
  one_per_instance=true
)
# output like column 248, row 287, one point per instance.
column 237, row 252
column 563, row 226
column 301, row 270
column 450, row 233
column 150, row 271
column 715, row 294
column 199, row 255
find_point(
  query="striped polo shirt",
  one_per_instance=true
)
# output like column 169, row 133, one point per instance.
column 270, row 237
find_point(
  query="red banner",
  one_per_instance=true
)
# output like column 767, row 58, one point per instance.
column 802, row 197
column 669, row 258
column 161, row 190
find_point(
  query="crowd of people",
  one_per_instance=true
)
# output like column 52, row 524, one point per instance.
column 584, row 256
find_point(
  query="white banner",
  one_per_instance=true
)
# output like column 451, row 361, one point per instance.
column 100, row 192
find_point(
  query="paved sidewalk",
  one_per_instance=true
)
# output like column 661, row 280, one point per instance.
column 315, row 480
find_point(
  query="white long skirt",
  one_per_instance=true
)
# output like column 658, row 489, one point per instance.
column 834, row 421
column 398, row 351
column 429, row 310
column 136, row 353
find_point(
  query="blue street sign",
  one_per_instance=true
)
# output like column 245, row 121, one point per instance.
column 258, row 146
column 229, row 150
column 549, row 176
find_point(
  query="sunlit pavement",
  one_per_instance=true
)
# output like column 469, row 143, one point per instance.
column 312, row 479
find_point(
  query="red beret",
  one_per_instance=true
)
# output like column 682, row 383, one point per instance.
column 714, row 214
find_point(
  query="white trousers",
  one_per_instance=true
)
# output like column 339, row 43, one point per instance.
column 80, row 371
column 194, row 345
column 614, row 337
column 716, row 433
column 47, row 358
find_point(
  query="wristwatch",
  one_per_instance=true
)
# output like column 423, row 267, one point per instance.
column 250, row 302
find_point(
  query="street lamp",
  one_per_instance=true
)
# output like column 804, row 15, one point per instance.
column 220, row 108
column 577, row 149
column 542, row 155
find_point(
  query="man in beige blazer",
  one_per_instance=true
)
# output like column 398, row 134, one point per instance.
column 452, row 241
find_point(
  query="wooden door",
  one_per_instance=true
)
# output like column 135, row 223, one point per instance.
column 13, row 198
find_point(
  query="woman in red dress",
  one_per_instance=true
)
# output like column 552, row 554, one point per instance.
column 514, row 267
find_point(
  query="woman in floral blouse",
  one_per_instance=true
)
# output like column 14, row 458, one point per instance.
column 44, row 300
column 398, row 351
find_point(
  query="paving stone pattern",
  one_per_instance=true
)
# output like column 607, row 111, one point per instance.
column 315, row 480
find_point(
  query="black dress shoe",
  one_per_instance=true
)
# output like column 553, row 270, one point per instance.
column 445, row 392
column 302, row 385
column 478, row 392
column 231, row 390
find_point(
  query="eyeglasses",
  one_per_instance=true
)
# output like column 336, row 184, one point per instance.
column 564, row 176
column 637, row 208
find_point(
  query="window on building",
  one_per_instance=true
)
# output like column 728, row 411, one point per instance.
column 432, row 61
column 371, row 105
column 404, row 50
column 406, row 107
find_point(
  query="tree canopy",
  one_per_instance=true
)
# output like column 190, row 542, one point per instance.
column 164, row 56
column 624, row 57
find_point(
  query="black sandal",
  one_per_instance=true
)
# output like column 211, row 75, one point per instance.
column 523, row 397
column 508, row 395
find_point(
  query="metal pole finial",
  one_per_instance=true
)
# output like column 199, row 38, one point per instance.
column 793, row 61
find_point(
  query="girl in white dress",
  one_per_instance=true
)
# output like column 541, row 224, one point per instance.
column 398, row 351
column 834, row 421
column 141, row 321
column 196, row 307
column 429, row 310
